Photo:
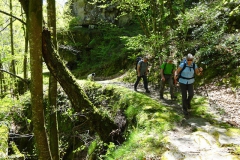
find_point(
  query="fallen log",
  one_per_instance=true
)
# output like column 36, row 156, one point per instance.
column 103, row 126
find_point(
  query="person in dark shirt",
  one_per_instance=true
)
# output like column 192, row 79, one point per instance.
column 142, row 71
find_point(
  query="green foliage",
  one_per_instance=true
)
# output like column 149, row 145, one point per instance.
column 108, row 54
column 146, row 120
column 18, row 36
column 63, row 14
column 237, row 150
column 92, row 147
column 9, row 105
column 74, row 22
column 3, row 140
column 15, row 149
column 111, row 147
column 209, row 32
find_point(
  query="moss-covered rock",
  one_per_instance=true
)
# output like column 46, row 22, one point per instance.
column 3, row 140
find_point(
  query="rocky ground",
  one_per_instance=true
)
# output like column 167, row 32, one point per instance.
column 224, row 102
column 195, row 138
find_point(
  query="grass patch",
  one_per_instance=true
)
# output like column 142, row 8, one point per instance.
column 200, row 108
column 147, row 120
column 233, row 131
column 237, row 150
column 139, row 144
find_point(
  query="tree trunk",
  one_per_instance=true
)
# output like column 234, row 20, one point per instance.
column 12, row 45
column 25, row 5
column 1, row 79
column 12, row 66
column 102, row 125
column 25, row 62
column 35, row 39
column 53, row 130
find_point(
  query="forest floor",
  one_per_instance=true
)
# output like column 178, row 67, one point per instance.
column 195, row 137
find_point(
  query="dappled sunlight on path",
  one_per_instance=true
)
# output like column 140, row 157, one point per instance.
column 194, row 138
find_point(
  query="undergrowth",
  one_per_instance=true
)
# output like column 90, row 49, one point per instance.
column 147, row 120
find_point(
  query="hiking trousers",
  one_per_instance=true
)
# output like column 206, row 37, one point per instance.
column 145, row 82
column 169, row 80
column 187, row 95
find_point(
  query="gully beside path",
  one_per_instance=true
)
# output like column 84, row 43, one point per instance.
column 195, row 138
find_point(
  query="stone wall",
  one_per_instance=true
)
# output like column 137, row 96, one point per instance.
column 90, row 13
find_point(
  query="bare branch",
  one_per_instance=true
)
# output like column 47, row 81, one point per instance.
column 13, row 16
column 24, row 80
column 6, row 26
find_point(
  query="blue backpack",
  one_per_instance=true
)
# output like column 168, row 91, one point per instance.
column 137, row 60
column 184, row 66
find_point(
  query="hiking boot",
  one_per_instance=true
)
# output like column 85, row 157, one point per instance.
column 147, row 91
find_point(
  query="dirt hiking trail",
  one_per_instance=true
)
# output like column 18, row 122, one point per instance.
column 194, row 138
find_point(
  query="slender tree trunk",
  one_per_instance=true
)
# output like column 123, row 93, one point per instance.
column 53, row 126
column 53, row 132
column 13, row 70
column 35, row 39
column 12, row 66
column 1, row 79
column 171, row 15
column 25, row 61
column 24, row 5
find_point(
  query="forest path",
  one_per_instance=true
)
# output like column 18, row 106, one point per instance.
column 195, row 138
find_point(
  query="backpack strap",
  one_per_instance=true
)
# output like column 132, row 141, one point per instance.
column 164, row 67
column 140, row 63
column 137, row 60
column 184, row 66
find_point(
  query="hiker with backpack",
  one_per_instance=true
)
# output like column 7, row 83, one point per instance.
column 142, row 71
column 167, row 71
column 185, row 76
